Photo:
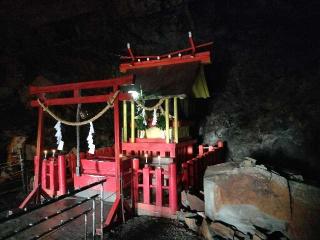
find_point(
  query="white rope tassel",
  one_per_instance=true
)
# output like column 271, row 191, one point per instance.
column 154, row 118
column 58, row 135
column 91, row 146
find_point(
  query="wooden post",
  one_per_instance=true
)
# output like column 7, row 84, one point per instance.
column 117, row 143
column 159, row 181
column 167, row 119
column 132, row 122
column 175, row 110
column 146, row 184
column 125, row 124
column 173, row 195
column 135, row 175
column 38, row 158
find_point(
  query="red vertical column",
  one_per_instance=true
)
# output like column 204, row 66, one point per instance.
column 173, row 195
column 37, row 159
column 117, row 143
column 52, row 176
column 62, row 175
column 159, row 182
column 146, row 184
column 201, row 150
column 135, row 175
column 44, row 174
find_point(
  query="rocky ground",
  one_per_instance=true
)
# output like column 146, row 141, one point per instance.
column 152, row 228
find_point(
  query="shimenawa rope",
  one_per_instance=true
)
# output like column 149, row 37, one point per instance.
column 99, row 114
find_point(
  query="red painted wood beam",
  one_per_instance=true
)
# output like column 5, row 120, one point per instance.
column 171, row 53
column 112, row 213
column 203, row 57
column 126, row 80
column 84, row 99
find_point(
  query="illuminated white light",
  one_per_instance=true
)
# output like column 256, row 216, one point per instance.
column 128, row 45
column 190, row 34
column 158, row 58
column 134, row 94
column 169, row 56
column 139, row 60
column 179, row 54
column 148, row 59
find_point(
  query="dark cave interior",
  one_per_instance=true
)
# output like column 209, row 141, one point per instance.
column 264, row 106
column 264, row 78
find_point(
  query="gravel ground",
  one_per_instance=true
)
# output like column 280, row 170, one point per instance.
column 144, row 227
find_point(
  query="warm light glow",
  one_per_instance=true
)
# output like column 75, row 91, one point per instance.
column 134, row 94
column 146, row 156
column 45, row 153
column 120, row 155
column 190, row 150
column 53, row 152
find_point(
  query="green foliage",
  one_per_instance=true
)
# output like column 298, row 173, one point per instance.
column 139, row 123
column 161, row 122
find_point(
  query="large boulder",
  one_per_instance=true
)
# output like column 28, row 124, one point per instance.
column 245, row 195
column 305, row 220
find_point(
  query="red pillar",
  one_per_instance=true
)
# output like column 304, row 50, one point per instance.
column 62, row 175
column 117, row 144
column 146, row 184
column 201, row 150
column 159, row 182
column 37, row 159
column 135, row 175
column 173, row 195
column 52, row 175
column 44, row 174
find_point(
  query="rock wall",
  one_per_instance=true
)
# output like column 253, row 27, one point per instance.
column 250, row 197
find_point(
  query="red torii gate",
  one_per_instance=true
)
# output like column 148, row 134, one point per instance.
column 41, row 92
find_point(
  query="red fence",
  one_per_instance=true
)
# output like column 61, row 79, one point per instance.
column 53, row 178
column 155, row 188
column 193, row 169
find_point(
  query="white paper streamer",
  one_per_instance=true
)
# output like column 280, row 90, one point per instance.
column 154, row 119
column 144, row 117
column 58, row 135
column 91, row 146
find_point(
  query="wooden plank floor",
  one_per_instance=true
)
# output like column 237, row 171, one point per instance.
column 72, row 230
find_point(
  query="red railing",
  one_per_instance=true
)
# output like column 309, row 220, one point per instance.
column 53, row 180
column 155, row 189
column 193, row 169
column 181, row 150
